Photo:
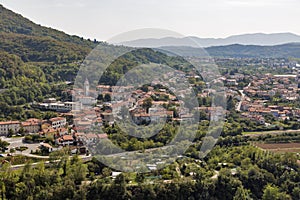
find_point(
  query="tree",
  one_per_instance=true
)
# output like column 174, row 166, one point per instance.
column 147, row 103
column 10, row 133
column 100, row 97
column 241, row 194
column 119, row 189
column 107, row 98
column 2, row 190
column 139, row 178
column 3, row 145
column 78, row 172
column 22, row 131
column 106, row 172
column 273, row 193
column 226, row 184
column 21, row 148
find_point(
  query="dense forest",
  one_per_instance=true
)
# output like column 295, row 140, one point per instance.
column 229, row 172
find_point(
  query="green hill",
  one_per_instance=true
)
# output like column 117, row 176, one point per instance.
column 36, row 43
column 35, row 61
column 16, row 23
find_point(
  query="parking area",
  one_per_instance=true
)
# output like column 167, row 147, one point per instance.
column 17, row 142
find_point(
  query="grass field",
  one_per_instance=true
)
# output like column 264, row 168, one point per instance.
column 277, row 132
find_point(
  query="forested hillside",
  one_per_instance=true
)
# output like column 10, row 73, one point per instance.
column 35, row 62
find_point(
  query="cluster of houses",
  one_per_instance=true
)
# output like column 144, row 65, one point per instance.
column 264, row 88
column 268, row 86
column 30, row 126
column 152, row 104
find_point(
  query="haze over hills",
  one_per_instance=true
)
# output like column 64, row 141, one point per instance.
column 237, row 51
column 245, row 39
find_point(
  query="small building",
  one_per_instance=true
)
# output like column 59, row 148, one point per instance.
column 141, row 118
column 65, row 140
column 107, row 117
column 58, row 122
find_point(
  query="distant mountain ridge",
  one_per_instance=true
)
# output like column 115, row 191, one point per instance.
column 32, row 42
column 237, row 51
column 192, row 41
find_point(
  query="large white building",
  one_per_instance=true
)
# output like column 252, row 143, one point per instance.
column 5, row 127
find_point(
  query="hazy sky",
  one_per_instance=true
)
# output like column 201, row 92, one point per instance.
column 103, row 19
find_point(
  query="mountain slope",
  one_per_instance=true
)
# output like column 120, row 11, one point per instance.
column 15, row 23
column 33, row 42
column 278, row 51
column 41, row 49
column 246, row 39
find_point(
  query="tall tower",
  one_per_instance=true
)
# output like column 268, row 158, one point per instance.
column 86, row 86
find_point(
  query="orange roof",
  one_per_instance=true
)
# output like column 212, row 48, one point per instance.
column 9, row 122
column 46, row 145
column 57, row 119
column 91, row 135
column 30, row 124
column 102, row 136
column 33, row 120
column 67, row 138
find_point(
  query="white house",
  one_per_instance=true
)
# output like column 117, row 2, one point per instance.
column 9, row 125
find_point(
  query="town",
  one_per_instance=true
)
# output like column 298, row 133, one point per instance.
column 81, row 121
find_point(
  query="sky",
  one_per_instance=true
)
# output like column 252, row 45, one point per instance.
column 103, row 19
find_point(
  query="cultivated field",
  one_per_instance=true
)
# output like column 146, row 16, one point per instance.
column 280, row 147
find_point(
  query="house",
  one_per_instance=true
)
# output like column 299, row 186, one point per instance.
column 65, row 140
column 90, row 138
column 72, row 105
column 58, row 122
column 141, row 118
column 62, row 131
column 5, row 127
column 232, row 82
column 158, row 113
column 115, row 174
column 107, row 117
column 32, row 125
column 87, row 100
column 46, row 147
column 187, row 117
column 103, row 136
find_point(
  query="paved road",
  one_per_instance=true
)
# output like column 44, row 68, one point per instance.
column 238, row 108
